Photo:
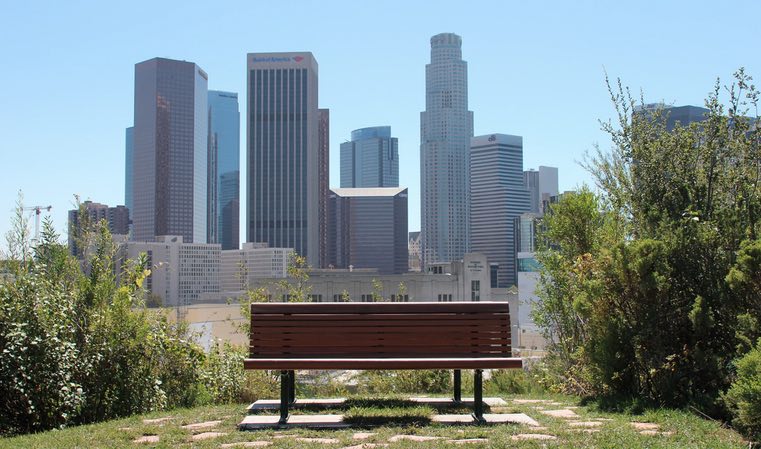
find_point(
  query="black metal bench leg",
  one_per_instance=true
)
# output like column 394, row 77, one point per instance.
column 457, row 385
column 478, row 396
column 291, row 386
column 284, row 395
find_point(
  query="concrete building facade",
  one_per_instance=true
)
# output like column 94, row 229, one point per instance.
column 370, row 159
column 283, row 152
column 170, row 150
column 497, row 199
column 180, row 272
column 446, row 127
column 241, row 267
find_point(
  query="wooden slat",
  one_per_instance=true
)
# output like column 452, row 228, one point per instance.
column 377, row 323
column 375, row 316
column 381, row 307
column 375, row 339
column 384, row 363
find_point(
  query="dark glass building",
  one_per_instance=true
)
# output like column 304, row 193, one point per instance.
column 170, row 151
column 369, row 229
column 116, row 217
column 283, row 152
column 324, row 180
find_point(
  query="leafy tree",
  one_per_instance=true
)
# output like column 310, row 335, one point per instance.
column 650, row 287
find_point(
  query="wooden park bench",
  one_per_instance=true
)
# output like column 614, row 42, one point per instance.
column 393, row 336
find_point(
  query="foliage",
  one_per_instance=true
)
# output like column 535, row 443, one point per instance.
column 744, row 396
column 377, row 293
column 403, row 381
column 513, row 381
column 226, row 382
column 651, row 287
column 402, row 416
column 76, row 346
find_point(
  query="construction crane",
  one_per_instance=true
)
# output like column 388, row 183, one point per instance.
column 37, row 212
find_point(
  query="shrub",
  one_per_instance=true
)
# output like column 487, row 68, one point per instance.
column 744, row 396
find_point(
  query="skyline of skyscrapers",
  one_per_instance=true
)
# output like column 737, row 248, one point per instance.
column 289, row 201
column 446, row 127
column 370, row 158
column 224, row 151
column 170, row 150
column 498, row 197
column 542, row 184
column 282, row 149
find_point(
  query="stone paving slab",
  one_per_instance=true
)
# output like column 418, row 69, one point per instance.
column 246, row 444
column 320, row 404
column 532, row 436
column 306, row 403
column 490, row 418
column 202, row 425
column 207, row 435
column 562, row 413
column 585, row 423
column 366, row 446
column 469, row 440
column 362, row 435
column 255, row 422
column 645, row 426
column 416, row 438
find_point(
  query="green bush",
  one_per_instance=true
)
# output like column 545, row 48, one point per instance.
column 78, row 348
column 404, row 381
column 744, row 396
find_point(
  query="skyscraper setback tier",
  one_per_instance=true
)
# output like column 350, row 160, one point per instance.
column 170, row 150
column 283, row 152
column 446, row 127
column 370, row 159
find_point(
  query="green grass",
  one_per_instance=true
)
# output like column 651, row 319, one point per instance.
column 689, row 431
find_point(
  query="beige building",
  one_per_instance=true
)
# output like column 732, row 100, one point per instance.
column 180, row 272
column 241, row 267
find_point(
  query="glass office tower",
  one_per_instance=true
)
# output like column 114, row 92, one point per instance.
column 224, row 146
column 370, row 159
column 170, row 150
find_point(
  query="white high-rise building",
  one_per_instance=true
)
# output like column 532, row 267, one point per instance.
column 498, row 198
column 446, row 127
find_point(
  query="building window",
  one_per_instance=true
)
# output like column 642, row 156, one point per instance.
column 445, row 297
column 475, row 290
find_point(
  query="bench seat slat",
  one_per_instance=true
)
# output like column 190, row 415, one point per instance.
column 377, row 316
column 374, row 339
column 388, row 307
column 383, row 363
column 463, row 322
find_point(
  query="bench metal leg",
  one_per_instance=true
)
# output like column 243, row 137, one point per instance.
column 457, row 385
column 284, row 395
column 291, row 386
column 478, row 396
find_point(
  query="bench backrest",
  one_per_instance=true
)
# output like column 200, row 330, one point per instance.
column 380, row 330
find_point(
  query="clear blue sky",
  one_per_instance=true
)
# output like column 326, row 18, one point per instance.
column 536, row 69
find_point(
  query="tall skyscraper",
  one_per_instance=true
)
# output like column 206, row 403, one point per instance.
column 224, row 152
column 370, row 159
column 446, row 127
column 324, row 183
column 542, row 184
column 498, row 197
column 128, row 155
column 283, row 152
column 370, row 228
column 169, row 182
